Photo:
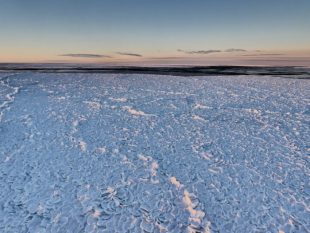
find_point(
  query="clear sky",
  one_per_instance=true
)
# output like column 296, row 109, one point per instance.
column 154, row 31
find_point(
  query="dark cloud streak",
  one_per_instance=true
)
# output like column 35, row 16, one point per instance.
column 84, row 55
column 129, row 54
column 166, row 58
column 200, row 51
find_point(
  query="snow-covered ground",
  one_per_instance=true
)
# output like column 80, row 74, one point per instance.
column 148, row 153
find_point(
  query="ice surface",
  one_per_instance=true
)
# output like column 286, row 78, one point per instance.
column 148, row 153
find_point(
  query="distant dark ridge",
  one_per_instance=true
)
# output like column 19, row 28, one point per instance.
column 285, row 71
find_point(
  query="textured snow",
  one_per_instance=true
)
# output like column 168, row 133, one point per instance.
column 148, row 153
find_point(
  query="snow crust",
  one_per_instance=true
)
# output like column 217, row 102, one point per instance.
column 148, row 153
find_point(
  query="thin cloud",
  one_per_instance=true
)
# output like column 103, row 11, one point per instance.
column 129, row 54
column 263, row 55
column 84, row 55
column 166, row 58
column 200, row 51
column 235, row 50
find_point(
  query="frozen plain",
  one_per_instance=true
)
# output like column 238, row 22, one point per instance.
column 150, row 153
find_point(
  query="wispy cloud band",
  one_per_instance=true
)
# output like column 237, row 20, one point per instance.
column 235, row 50
column 85, row 55
column 263, row 55
column 232, row 50
column 129, row 54
column 200, row 51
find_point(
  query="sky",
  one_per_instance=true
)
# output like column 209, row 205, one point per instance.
column 155, row 31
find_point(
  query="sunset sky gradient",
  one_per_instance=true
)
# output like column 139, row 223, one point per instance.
column 155, row 32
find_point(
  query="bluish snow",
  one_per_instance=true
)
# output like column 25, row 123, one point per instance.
column 148, row 153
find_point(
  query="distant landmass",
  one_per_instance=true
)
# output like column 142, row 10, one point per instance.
column 282, row 71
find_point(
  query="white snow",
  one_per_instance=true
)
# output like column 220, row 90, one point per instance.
column 135, row 112
column 127, row 153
